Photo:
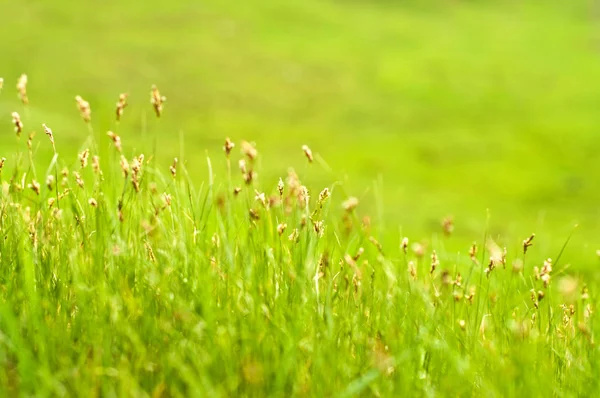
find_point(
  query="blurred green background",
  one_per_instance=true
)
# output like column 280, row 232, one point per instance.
column 443, row 107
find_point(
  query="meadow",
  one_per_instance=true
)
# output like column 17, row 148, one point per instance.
column 376, row 240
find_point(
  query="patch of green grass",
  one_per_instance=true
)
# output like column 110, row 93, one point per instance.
column 119, row 279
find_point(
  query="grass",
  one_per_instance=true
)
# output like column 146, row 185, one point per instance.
column 483, row 112
column 122, row 279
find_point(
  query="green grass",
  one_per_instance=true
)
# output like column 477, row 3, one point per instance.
column 179, row 289
column 485, row 111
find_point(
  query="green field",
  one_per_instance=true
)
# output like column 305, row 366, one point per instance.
column 484, row 111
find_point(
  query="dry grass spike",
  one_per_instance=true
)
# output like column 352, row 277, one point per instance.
column 157, row 100
column 84, row 109
column 22, row 89
column 16, row 120
column 121, row 105
column 307, row 153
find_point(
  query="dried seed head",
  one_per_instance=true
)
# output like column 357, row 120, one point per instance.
column 307, row 153
column 124, row 166
column 96, row 164
column 157, row 100
column 78, row 179
column 22, row 89
column 116, row 140
column 121, row 105
column 412, row 269
column 294, row 236
column 462, row 324
column 448, row 225
column 167, row 199
column 83, row 158
column 35, row 187
column 323, row 195
column 319, row 227
column 249, row 150
column 528, row 242
column 84, row 109
column 30, row 140
column 261, row 197
column 418, row 249
column 2, row 160
column 50, row 181
column 92, row 202
column 435, row 262
column 228, row 146
column 280, row 187
column 350, row 204
column 281, row 228
column 173, row 168
column 545, row 272
column 16, row 120
column 237, row 190
column 48, row 132
column 51, row 202
column 376, row 243
column 404, row 245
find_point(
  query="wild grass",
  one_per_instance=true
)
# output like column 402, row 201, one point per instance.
column 128, row 277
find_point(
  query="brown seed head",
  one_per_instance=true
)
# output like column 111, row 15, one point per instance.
column 96, row 164
column 124, row 166
column 83, row 158
column 16, row 120
column 350, row 204
column 116, row 140
column 281, row 228
column 2, row 160
column 228, row 146
column 84, row 109
column 35, row 187
column 307, row 153
column 22, row 89
column 435, row 262
column 249, row 150
column 48, row 132
column 528, row 242
column 78, row 179
column 30, row 140
column 157, row 100
column 448, row 225
column 280, row 187
column 92, row 202
column 50, row 182
column 404, row 245
column 121, row 105
column 173, row 168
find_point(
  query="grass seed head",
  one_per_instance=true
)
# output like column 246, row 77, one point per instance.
column 35, row 187
column 249, row 150
column 124, row 166
column 323, row 196
column 2, row 160
column 96, row 164
column 116, row 140
column 173, row 168
column 435, row 262
column 280, row 188
column 16, row 120
column 228, row 146
column 412, row 269
column 448, row 225
column 307, row 153
column 92, row 202
column 22, row 89
column 78, row 179
column 528, row 242
column 157, row 100
column 121, row 105
column 350, row 204
column 404, row 245
column 48, row 132
column 50, row 182
column 281, row 228
column 84, row 109
column 83, row 158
